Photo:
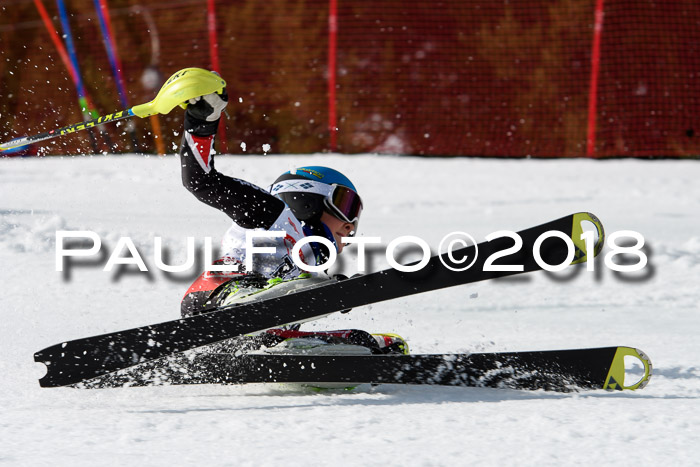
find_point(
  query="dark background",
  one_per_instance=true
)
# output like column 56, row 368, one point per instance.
column 461, row 77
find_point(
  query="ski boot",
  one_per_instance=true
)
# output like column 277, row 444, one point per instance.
column 331, row 343
column 341, row 342
column 250, row 288
column 254, row 287
column 390, row 343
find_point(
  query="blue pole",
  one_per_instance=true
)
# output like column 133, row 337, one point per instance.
column 114, row 63
column 70, row 47
column 85, row 105
column 111, row 55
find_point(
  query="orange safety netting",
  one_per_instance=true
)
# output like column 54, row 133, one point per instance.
column 457, row 77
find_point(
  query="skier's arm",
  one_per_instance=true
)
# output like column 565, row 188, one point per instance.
column 248, row 205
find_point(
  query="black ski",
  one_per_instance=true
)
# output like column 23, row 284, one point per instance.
column 554, row 370
column 73, row 361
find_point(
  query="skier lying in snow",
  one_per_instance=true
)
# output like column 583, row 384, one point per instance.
column 308, row 201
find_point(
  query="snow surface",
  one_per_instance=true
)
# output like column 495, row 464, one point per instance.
column 142, row 197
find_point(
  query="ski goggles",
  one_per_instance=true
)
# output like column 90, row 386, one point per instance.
column 344, row 203
column 341, row 201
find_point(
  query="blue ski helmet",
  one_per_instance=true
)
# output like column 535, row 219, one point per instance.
column 308, row 191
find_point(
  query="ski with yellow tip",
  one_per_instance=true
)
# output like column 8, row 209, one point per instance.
column 569, row 370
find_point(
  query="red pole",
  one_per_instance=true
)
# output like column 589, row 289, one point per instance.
column 215, row 65
column 595, row 70
column 57, row 42
column 332, row 50
column 213, row 43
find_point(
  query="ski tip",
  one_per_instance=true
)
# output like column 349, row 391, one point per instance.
column 618, row 377
column 582, row 220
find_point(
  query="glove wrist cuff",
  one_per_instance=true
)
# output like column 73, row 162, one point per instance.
column 199, row 127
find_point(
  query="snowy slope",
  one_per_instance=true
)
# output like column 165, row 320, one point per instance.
column 138, row 197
